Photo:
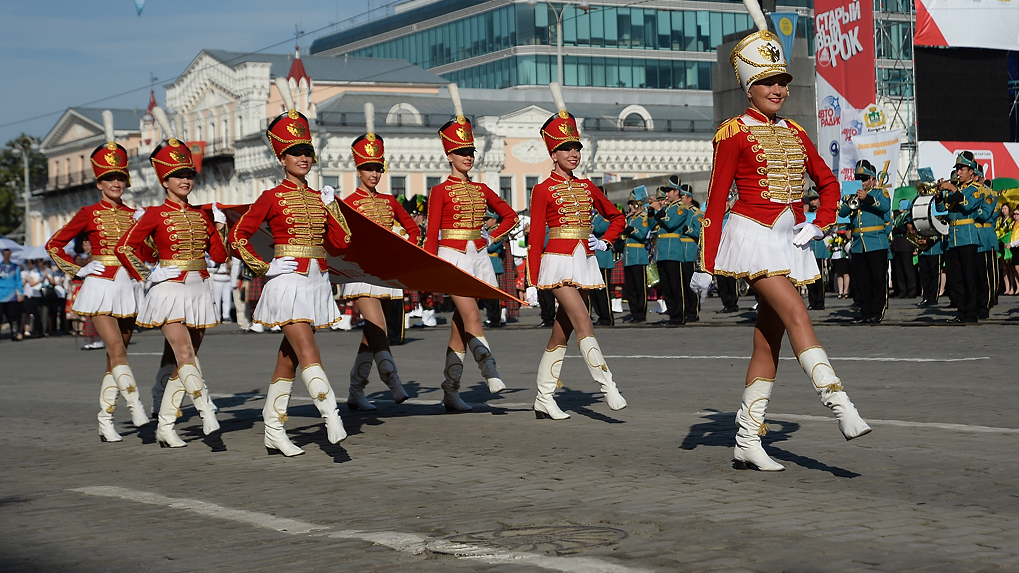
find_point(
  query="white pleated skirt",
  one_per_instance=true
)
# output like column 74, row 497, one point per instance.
column 751, row 250
column 579, row 270
column 189, row 302
column 296, row 297
column 473, row 261
column 117, row 297
column 351, row 291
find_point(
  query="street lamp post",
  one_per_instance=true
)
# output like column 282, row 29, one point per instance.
column 559, row 32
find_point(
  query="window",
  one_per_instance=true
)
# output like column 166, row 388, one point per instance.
column 398, row 186
column 530, row 181
column 331, row 180
column 506, row 189
column 430, row 182
column 597, row 181
column 634, row 121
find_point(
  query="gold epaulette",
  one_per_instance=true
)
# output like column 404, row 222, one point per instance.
column 794, row 124
column 728, row 129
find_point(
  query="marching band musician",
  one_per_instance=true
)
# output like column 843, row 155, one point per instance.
column 456, row 214
column 675, row 251
column 988, row 272
column 869, row 252
column 766, row 239
column 601, row 299
column 306, row 226
column 692, row 231
column 961, row 258
column 635, row 259
column 815, row 290
column 107, row 293
column 373, row 301
column 180, row 300
column 930, row 252
column 565, row 264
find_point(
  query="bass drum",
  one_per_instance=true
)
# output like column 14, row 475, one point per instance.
column 925, row 218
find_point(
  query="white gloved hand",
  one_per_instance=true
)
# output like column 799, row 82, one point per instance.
column 138, row 213
column 91, row 268
column 596, row 244
column 806, row 232
column 218, row 216
column 281, row 266
column 160, row 274
column 328, row 194
column 531, row 296
column 1014, row 244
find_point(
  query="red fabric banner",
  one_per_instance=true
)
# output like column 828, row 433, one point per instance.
column 380, row 257
column 197, row 149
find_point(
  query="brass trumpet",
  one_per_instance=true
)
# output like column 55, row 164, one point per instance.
column 851, row 201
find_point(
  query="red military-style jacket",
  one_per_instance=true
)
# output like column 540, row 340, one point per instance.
column 104, row 224
column 302, row 227
column 767, row 160
column 384, row 210
column 564, row 206
column 456, row 213
column 182, row 235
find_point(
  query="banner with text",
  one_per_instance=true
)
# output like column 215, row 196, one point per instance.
column 997, row 159
column 844, row 31
column 881, row 148
column 967, row 24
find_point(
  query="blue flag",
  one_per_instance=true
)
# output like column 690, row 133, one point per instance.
column 138, row 5
column 785, row 27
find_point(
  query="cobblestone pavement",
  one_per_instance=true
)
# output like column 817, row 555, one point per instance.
column 648, row 488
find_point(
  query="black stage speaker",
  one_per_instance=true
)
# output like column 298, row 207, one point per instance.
column 961, row 94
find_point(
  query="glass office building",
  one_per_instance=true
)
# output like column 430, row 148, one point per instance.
column 513, row 44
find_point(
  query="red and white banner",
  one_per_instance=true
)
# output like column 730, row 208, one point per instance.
column 997, row 159
column 992, row 24
column 845, row 78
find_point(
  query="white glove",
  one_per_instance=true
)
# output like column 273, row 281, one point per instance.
column 161, row 273
column 281, row 266
column 91, row 268
column 531, row 296
column 596, row 244
column 218, row 216
column 1014, row 244
column 806, row 232
column 138, row 213
column 328, row 194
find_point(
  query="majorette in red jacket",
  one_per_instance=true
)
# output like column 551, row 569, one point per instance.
column 103, row 224
column 564, row 206
column 386, row 211
column 302, row 227
column 767, row 160
column 456, row 213
column 182, row 234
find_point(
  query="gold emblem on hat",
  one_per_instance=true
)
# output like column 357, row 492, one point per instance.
column 567, row 130
column 462, row 133
column 770, row 52
column 112, row 159
column 174, row 142
column 292, row 114
column 179, row 156
column 461, row 119
column 111, row 146
column 564, row 114
column 369, row 149
column 370, row 136
column 297, row 130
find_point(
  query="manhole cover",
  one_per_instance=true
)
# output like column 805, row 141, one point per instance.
column 547, row 539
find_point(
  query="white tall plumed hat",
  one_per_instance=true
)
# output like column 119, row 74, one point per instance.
column 760, row 54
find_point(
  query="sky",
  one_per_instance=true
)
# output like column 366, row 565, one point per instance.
column 58, row 54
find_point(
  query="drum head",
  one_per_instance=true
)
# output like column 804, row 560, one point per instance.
column 926, row 223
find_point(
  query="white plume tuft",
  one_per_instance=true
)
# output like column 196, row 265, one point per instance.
column 284, row 88
column 108, row 124
column 755, row 12
column 164, row 124
column 454, row 94
column 557, row 95
column 369, row 117
column 178, row 124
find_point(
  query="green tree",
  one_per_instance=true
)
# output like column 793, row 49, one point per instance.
column 12, row 180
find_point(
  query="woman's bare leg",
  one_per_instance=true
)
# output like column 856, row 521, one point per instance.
column 780, row 294
column 374, row 336
column 374, row 345
column 571, row 317
column 115, row 339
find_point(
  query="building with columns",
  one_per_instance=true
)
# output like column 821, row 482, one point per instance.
column 226, row 99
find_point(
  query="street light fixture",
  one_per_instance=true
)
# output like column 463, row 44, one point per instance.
column 26, row 148
column 585, row 6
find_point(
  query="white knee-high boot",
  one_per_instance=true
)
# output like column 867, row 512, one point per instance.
column 600, row 372
column 815, row 364
column 317, row 382
column 129, row 388
column 387, row 372
column 751, row 426
column 482, row 353
column 451, row 373
column 162, row 376
column 169, row 411
column 274, row 415
column 549, row 366
column 191, row 377
column 205, row 388
column 108, row 394
column 358, row 381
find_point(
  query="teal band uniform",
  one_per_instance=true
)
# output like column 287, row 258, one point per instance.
column 986, row 217
column 961, row 217
column 495, row 254
column 871, row 223
column 599, row 226
column 679, row 230
column 635, row 252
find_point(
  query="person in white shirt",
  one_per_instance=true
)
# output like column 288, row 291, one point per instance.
column 239, row 294
column 221, row 291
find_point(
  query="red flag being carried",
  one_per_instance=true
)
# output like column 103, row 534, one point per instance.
column 380, row 257
column 197, row 152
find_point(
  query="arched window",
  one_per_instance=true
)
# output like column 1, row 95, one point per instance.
column 404, row 114
column 634, row 120
column 635, row 117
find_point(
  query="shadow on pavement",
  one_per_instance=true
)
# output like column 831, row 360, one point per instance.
column 577, row 401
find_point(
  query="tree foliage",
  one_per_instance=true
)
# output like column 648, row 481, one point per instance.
column 12, row 180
